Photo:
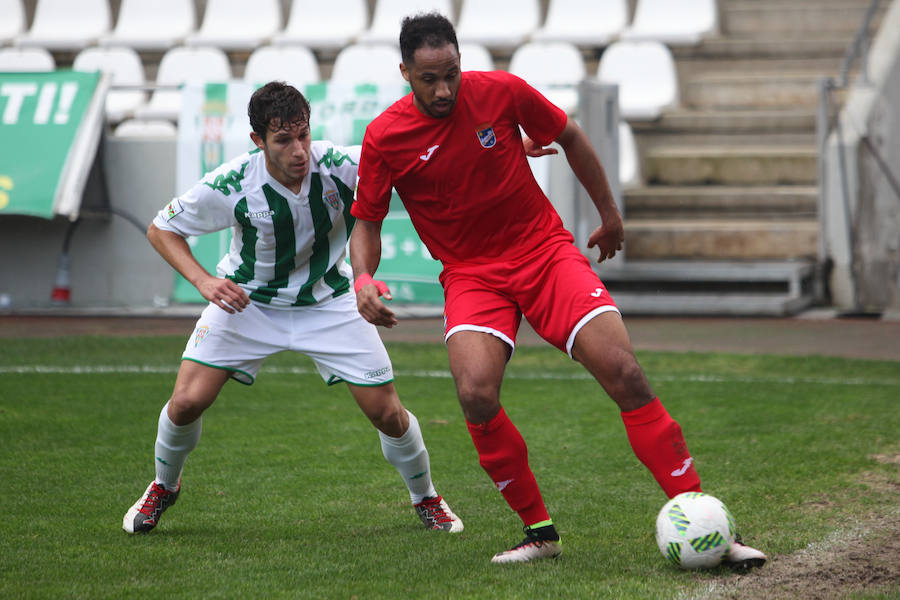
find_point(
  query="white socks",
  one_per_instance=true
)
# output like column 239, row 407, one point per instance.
column 410, row 457
column 173, row 444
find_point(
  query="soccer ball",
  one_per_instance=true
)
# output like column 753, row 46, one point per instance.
column 694, row 530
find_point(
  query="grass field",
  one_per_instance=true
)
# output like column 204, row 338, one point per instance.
column 288, row 495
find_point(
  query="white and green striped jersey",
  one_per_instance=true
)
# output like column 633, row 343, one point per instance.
column 286, row 249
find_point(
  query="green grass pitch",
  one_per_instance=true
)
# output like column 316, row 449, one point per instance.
column 288, row 496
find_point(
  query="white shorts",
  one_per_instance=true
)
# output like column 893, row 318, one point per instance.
column 343, row 345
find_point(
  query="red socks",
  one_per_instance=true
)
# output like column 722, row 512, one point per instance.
column 657, row 441
column 503, row 454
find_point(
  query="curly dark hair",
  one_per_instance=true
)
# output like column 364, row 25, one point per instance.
column 425, row 29
column 275, row 106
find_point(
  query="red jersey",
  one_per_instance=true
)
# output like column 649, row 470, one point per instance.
column 464, row 179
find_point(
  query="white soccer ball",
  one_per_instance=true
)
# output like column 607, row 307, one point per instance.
column 694, row 530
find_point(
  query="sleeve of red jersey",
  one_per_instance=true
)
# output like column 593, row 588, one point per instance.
column 373, row 188
column 542, row 120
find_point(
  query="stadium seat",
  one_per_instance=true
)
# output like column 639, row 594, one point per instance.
column 646, row 76
column 152, row 26
column 388, row 15
column 26, row 59
column 295, row 65
column 367, row 63
column 629, row 160
column 555, row 68
column 125, row 67
column 585, row 23
column 237, row 24
column 500, row 24
column 324, row 26
column 66, row 24
column 13, row 22
column 181, row 65
column 682, row 23
column 475, row 57
column 145, row 128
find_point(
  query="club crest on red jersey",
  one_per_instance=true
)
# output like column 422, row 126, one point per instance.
column 486, row 136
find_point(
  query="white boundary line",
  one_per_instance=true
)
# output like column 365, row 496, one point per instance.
column 442, row 374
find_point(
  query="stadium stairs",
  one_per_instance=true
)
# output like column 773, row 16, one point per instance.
column 726, row 221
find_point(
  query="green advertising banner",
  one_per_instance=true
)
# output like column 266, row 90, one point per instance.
column 406, row 265
column 214, row 126
column 50, row 126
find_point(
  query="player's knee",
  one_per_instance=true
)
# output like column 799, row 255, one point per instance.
column 388, row 418
column 186, row 408
column 478, row 402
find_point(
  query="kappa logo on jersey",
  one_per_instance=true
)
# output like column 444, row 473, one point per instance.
column 173, row 209
column 232, row 178
column 486, row 136
column 200, row 334
column 427, row 156
column 263, row 214
column 332, row 198
column 333, row 157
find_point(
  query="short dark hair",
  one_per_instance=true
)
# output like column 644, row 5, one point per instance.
column 425, row 29
column 275, row 106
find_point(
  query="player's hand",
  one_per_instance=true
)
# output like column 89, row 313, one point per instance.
column 534, row 150
column 368, row 301
column 608, row 238
column 224, row 293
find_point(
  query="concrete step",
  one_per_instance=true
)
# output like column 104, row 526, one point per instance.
column 743, row 90
column 717, row 287
column 731, row 165
column 717, row 202
column 733, row 239
column 732, row 122
column 780, row 47
column 795, row 18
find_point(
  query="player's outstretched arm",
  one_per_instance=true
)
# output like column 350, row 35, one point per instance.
column 224, row 293
column 589, row 170
column 365, row 254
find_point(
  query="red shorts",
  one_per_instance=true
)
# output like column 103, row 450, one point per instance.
column 554, row 287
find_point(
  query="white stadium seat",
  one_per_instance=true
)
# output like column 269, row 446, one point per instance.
column 26, row 59
column 629, row 160
column 324, row 26
column 586, row 23
column 555, row 68
column 646, row 76
column 681, row 23
column 67, row 24
column 367, row 63
column 153, row 26
column 237, row 24
column 295, row 65
column 502, row 24
column 125, row 67
column 13, row 22
column 145, row 129
column 181, row 65
column 389, row 14
column 475, row 57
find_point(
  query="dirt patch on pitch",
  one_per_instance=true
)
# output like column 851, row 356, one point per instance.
column 862, row 558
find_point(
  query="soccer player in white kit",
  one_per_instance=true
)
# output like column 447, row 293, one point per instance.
column 284, row 285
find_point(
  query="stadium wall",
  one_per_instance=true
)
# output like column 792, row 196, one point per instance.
column 860, row 218
column 111, row 263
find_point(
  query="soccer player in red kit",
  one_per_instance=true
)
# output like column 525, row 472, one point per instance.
column 454, row 152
